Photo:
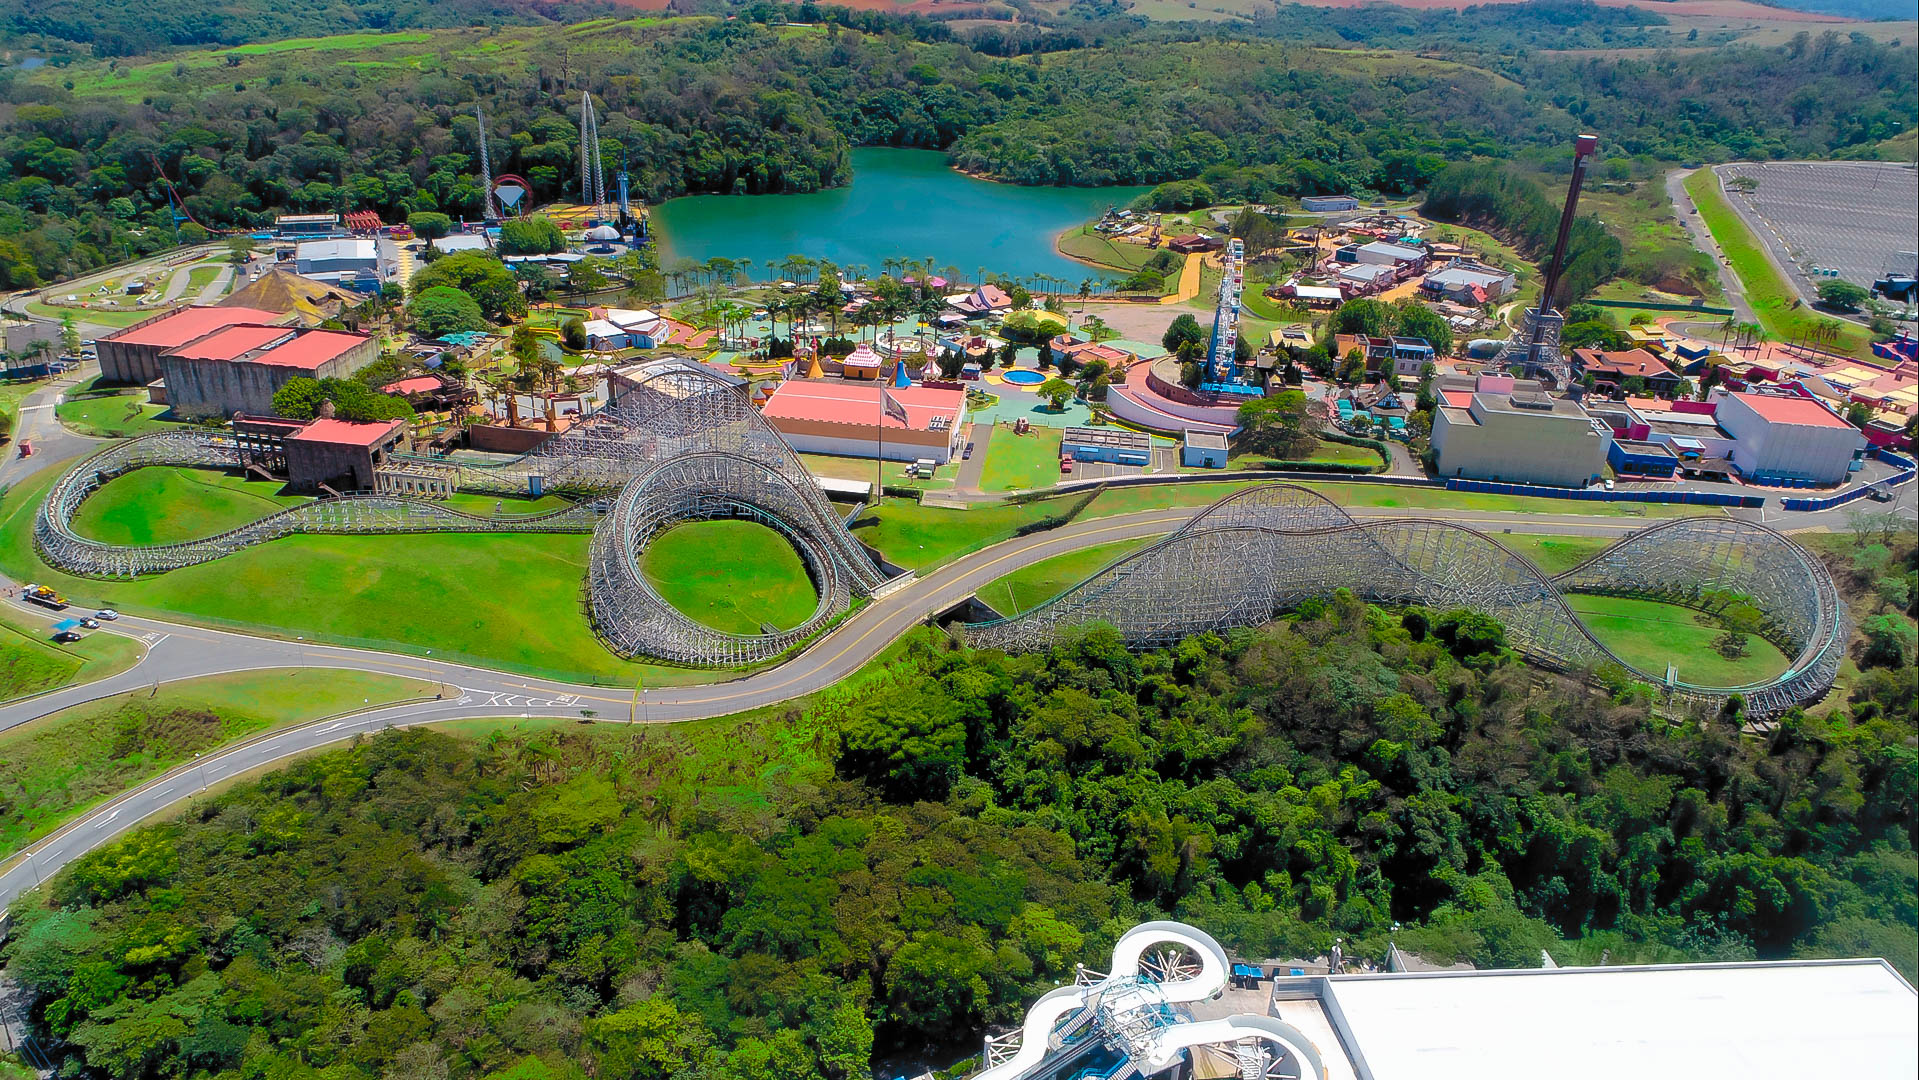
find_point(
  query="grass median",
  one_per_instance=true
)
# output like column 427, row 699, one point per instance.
column 31, row 662
column 1773, row 299
column 60, row 765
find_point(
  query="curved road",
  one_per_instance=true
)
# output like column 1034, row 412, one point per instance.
column 176, row 651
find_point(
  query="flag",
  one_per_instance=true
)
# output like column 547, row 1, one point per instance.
column 892, row 408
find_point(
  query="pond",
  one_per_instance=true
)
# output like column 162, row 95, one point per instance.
column 901, row 204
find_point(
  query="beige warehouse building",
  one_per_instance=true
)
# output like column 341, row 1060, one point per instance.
column 1520, row 437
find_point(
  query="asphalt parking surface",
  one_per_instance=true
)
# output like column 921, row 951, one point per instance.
column 1853, row 217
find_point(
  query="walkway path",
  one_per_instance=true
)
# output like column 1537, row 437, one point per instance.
column 177, row 283
column 1702, row 239
column 1188, row 280
column 216, row 288
column 972, row 468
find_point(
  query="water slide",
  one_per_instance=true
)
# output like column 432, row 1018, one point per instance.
column 1124, row 991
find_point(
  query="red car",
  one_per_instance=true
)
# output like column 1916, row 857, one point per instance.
column 1065, row 464
column 26, row 448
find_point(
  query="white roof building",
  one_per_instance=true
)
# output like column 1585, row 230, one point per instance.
column 633, row 319
column 1176, row 1004
column 447, row 245
column 1840, row 1018
column 602, row 331
column 1385, row 254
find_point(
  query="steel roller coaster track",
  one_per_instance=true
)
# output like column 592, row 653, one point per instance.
column 1263, row 550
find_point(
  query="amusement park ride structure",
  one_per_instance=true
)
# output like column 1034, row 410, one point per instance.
column 685, row 445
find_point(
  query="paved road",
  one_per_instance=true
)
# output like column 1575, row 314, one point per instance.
column 1702, row 239
column 51, row 440
column 176, row 651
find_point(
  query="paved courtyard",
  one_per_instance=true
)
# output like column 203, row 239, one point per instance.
column 1853, row 217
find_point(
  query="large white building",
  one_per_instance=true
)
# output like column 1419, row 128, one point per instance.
column 1174, row 1004
column 353, row 264
column 1777, row 437
column 1519, row 436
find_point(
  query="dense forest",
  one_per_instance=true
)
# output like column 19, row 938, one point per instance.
column 699, row 105
column 1491, row 196
column 922, row 850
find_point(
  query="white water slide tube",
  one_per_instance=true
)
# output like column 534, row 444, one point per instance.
column 1121, row 992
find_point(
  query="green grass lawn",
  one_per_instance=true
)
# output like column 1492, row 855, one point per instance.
column 731, row 575
column 1649, row 635
column 113, row 416
column 506, row 601
column 835, row 467
column 1331, row 453
column 1031, row 586
column 199, row 278
column 1556, row 554
column 31, row 661
column 503, row 505
column 1021, row 462
column 101, row 316
column 59, row 765
column 921, row 537
column 164, row 505
column 1771, row 295
column 1084, row 243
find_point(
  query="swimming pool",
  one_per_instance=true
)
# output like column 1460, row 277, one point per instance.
column 1023, row 376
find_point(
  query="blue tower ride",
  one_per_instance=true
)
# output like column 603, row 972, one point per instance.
column 1222, row 369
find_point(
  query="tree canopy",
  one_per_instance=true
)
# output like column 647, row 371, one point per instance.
column 443, row 309
column 480, row 276
column 535, row 235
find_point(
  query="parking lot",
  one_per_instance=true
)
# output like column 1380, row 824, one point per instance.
column 1853, row 217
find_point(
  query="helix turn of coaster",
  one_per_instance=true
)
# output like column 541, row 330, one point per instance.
column 1140, row 1014
column 1264, row 549
column 682, row 445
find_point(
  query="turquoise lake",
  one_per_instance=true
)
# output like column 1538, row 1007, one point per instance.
column 901, row 204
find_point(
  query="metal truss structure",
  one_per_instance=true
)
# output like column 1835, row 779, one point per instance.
column 683, row 446
column 1265, row 549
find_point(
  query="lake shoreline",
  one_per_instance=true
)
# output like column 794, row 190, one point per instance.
column 900, row 204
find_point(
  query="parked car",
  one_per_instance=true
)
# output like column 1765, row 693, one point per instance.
column 1609, row 485
column 1065, row 465
column 106, row 613
column 967, row 452
column 1880, row 494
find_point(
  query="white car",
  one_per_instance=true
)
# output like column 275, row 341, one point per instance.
column 106, row 613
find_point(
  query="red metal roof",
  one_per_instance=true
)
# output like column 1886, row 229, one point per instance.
column 187, row 324
column 232, row 342
column 311, row 349
column 345, row 432
column 1791, row 410
column 835, row 402
column 419, row 384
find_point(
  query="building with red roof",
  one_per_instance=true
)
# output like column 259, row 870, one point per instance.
column 344, row 455
column 1614, row 367
column 1787, row 439
column 833, row 416
column 133, row 355
column 237, row 369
